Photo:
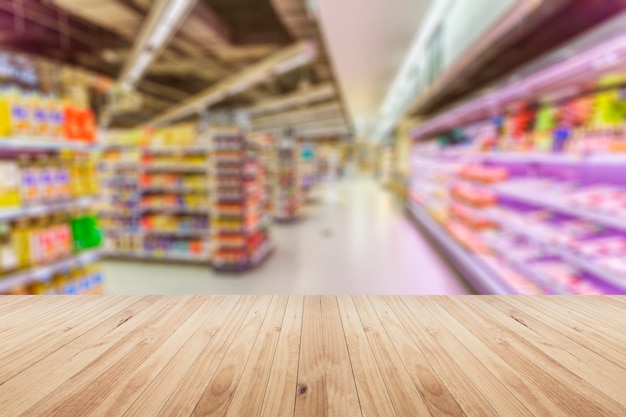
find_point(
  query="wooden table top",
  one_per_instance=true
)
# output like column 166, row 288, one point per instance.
column 315, row 356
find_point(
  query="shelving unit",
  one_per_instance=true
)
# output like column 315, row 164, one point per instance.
column 44, row 273
column 167, row 216
column 308, row 165
column 240, row 236
column 48, row 197
column 288, row 199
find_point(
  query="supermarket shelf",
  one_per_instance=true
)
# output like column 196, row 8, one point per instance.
column 573, row 259
column 224, row 245
column 174, row 189
column 177, row 233
column 254, row 261
column 42, row 209
column 196, row 149
column 262, row 223
column 119, row 212
column 25, row 143
column 174, row 168
column 145, row 255
column 291, row 219
column 116, row 230
column 118, row 165
column 599, row 218
column 43, row 273
column 612, row 278
column 472, row 270
column 261, row 255
column 121, row 182
column 223, row 198
column 521, row 267
column 553, row 158
column 175, row 209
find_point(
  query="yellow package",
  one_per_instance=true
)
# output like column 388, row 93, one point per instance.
column 21, row 243
column 5, row 116
column 10, row 180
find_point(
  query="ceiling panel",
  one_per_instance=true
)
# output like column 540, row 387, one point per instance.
column 367, row 41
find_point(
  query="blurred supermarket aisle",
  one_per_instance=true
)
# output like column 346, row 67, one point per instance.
column 354, row 240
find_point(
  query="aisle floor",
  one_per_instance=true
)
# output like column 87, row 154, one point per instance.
column 355, row 239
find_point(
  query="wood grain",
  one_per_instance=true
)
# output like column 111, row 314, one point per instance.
column 311, row 398
column 274, row 356
column 280, row 395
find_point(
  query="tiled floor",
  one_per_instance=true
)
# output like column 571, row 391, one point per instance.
column 355, row 240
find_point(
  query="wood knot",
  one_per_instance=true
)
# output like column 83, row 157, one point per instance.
column 277, row 329
column 303, row 389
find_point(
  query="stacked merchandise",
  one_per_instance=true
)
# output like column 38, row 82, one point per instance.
column 119, row 173
column 535, row 197
column 262, row 144
column 287, row 184
column 163, row 206
column 385, row 165
column 49, row 237
column 239, row 223
column 40, row 120
column 308, row 166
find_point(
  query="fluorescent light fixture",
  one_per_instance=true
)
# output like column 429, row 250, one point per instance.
column 300, row 53
column 140, row 66
column 170, row 18
column 164, row 18
column 291, row 64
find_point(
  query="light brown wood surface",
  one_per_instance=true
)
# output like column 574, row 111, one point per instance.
column 312, row 356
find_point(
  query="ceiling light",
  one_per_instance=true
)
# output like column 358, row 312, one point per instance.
column 164, row 18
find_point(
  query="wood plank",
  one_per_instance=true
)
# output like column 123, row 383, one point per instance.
column 22, row 316
column 373, row 395
column 280, row 396
column 184, row 399
column 247, row 399
column 17, row 360
column 596, row 310
column 46, row 374
column 312, row 356
column 25, row 339
column 15, row 302
column 468, row 396
column 311, row 399
column 436, row 395
column 585, row 363
column 406, row 399
column 506, row 391
column 341, row 393
column 570, row 393
column 107, row 400
column 218, row 394
column 595, row 339
column 193, row 358
column 116, row 363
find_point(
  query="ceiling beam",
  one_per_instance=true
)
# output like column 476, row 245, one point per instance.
column 313, row 95
column 285, row 60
